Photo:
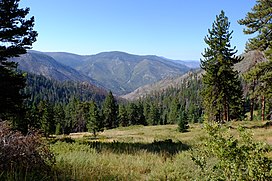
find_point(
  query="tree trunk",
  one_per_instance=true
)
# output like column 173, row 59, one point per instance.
column 251, row 108
column 225, row 110
column 263, row 108
column 252, row 101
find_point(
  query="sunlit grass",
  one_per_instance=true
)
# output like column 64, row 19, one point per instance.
column 140, row 152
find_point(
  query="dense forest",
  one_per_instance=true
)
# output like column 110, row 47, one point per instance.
column 62, row 108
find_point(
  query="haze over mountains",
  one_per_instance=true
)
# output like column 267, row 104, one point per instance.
column 116, row 71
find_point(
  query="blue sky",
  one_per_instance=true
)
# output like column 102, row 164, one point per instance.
column 170, row 28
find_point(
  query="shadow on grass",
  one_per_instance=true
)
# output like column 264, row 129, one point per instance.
column 166, row 147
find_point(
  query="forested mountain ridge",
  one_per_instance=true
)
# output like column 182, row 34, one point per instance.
column 250, row 59
column 40, row 88
column 42, row 64
column 119, row 72
column 123, row 73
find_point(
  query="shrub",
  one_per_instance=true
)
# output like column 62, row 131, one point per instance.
column 233, row 158
column 22, row 156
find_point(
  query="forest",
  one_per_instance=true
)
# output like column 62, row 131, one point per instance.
column 197, row 130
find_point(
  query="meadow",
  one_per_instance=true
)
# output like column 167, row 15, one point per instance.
column 139, row 152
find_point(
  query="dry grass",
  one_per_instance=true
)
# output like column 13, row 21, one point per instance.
column 102, row 158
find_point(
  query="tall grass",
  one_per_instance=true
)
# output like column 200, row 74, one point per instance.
column 80, row 162
column 139, row 153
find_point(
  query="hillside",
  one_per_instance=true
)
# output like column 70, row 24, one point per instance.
column 123, row 73
column 39, row 88
column 249, row 60
column 119, row 72
column 42, row 64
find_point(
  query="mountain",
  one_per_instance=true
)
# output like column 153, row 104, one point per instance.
column 42, row 64
column 69, row 59
column 121, row 72
column 250, row 59
column 40, row 88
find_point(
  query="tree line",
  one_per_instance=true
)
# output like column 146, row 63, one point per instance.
column 65, row 107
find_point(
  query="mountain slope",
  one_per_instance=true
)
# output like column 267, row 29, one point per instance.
column 69, row 59
column 42, row 64
column 122, row 72
column 250, row 59
column 116, row 71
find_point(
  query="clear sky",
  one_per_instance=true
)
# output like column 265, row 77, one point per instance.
column 173, row 29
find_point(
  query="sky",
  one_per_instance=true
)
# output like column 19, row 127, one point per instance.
column 173, row 29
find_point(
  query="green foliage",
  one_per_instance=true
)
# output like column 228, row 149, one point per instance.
column 110, row 112
column 40, row 88
column 222, row 93
column 94, row 123
column 16, row 36
column 234, row 158
column 258, row 22
column 182, row 122
column 122, row 116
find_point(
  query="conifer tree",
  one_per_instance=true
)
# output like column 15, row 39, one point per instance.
column 259, row 22
column 123, row 116
column 94, row 123
column 183, row 122
column 16, row 36
column 153, row 116
column 222, row 93
column 110, row 112
column 59, row 117
column 174, row 111
column 132, row 113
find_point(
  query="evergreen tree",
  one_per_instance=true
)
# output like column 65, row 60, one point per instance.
column 153, row 116
column 183, row 122
column 110, row 112
column 46, row 118
column 132, row 113
column 123, row 116
column 16, row 35
column 222, row 94
column 140, row 114
column 259, row 22
column 94, row 124
column 59, row 117
column 174, row 111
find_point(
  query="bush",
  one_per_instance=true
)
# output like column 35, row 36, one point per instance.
column 233, row 158
column 23, row 156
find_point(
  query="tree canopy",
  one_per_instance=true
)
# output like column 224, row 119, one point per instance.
column 222, row 93
column 16, row 36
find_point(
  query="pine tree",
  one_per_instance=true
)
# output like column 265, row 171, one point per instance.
column 153, row 116
column 16, row 36
column 174, row 111
column 123, row 116
column 132, row 113
column 183, row 122
column 94, row 123
column 46, row 118
column 110, row 112
column 222, row 94
column 59, row 117
column 259, row 22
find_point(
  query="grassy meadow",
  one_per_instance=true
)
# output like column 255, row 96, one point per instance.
column 138, row 152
